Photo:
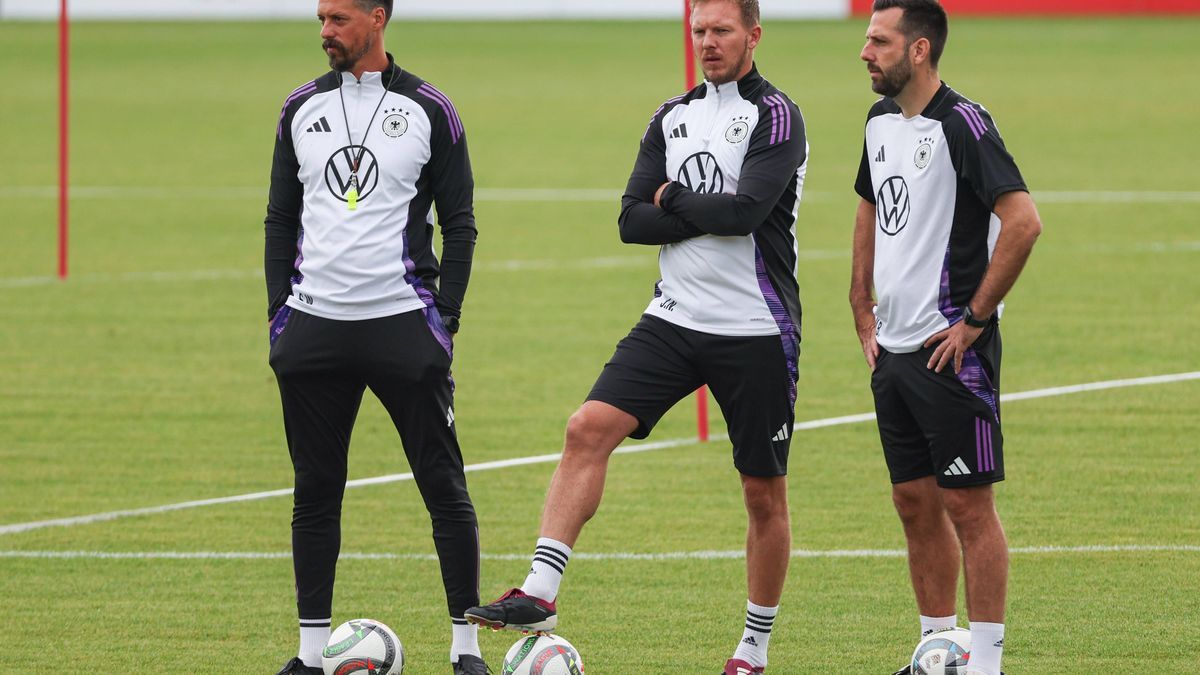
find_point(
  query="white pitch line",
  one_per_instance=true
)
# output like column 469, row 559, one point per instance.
column 638, row 557
column 553, row 457
column 1097, row 386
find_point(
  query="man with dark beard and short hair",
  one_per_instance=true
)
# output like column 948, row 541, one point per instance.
column 364, row 157
column 943, row 230
column 716, row 186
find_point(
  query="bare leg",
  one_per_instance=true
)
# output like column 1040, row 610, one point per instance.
column 985, row 550
column 768, row 538
column 933, row 548
column 593, row 432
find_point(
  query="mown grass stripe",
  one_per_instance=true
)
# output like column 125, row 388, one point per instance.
column 552, row 457
column 637, row 557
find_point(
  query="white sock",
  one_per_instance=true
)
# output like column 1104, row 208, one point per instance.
column 987, row 646
column 546, row 572
column 932, row 623
column 464, row 639
column 314, row 634
column 753, row 647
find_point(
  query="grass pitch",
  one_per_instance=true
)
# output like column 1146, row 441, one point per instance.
column 142, row 381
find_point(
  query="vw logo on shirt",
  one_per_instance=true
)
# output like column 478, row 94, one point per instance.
column 338, row 172
column 891, row 206
column 701, row 174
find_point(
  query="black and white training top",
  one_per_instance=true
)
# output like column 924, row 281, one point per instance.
column 376, row 260
column 736, row 156
column 934, row 180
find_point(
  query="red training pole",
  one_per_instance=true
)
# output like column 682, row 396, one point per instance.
column 64, row 53
column 689, row 67
column 689, row 54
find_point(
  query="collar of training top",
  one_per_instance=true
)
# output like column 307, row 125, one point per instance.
column 392, row 71
column 747, row 87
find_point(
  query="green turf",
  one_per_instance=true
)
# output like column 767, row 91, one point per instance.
column 142, row 381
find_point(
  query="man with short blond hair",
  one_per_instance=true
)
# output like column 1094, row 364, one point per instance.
column 716, row 186
column 749, row 9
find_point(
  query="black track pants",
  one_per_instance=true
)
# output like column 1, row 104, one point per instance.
column 323, row 367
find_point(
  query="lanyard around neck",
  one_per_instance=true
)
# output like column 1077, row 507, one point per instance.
column 352, row 196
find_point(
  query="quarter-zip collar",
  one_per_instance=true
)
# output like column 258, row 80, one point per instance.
column 392, row 72
column 747, row 87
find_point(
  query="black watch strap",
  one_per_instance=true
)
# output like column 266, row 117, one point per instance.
column 970, row 319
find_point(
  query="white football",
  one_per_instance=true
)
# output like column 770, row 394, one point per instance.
column 363, row 646
column 542, row 655
column 943, row 652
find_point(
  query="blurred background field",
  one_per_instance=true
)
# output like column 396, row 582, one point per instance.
column 142, row 380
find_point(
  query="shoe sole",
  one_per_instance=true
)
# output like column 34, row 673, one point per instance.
column 540, row 628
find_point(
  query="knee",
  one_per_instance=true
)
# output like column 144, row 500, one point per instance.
column 586, row 434
column 913, row 505
column 766, row 499
column 317, row 490
column 969, row 508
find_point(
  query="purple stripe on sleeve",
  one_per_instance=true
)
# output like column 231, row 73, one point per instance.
column 977, row 117
column 786, row 132
column 781, row 118
column 303, row 86
column 447, row 107
column 656, row 113
column 456, row 129
column 975, row 129
column 777, row 102
column 457, row 120
column 776, row 123
column 301, row 91
column 452, row 113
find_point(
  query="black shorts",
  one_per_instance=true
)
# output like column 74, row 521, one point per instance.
column 752, row 378
column 943, row 424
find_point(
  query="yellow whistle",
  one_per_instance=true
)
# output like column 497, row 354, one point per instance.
column 352, row 199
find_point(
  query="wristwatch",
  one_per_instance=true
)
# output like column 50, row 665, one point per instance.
column 450, row 323
column 970, row 319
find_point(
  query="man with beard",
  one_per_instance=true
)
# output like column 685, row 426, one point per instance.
column 943, row 230
column 357, row 299
column 717, row 186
